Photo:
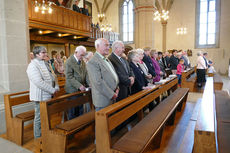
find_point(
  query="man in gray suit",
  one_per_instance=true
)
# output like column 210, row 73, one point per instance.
column 76, row 77
column 102, row 76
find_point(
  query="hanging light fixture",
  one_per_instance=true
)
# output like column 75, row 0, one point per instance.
column 101, row 16
column 44, row 7
column 161, row 16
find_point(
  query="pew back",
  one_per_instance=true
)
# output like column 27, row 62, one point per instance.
column 110, row 117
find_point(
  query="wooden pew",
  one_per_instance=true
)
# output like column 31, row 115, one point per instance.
column 218, row 83
column 57, row 137
column 15, row 123
column 188, row 80
column 222, row 101
column 204, row 134
column 112, row 116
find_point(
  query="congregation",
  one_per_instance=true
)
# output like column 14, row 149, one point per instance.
column 111, row 77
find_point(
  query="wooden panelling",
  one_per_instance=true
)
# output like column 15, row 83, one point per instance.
column 61, row 19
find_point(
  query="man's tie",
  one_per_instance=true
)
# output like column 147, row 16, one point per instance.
column 124, row 64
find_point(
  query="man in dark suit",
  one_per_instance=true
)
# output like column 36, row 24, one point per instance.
column 125, row 74
column 75, row 6
column 148, row 61
column 174, row 61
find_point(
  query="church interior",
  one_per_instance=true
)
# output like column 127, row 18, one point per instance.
column 186, row 119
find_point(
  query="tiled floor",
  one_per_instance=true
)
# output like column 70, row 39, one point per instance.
column 9, row 147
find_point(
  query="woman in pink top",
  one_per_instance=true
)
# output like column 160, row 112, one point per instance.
column 180, row 69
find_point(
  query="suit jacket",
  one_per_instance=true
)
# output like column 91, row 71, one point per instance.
column 186, row 64
column 76, row 75
column 76, row 8
column 140, row 80
column 123, row 75
column 102, row 81
column 149, row 64
column 173, row 61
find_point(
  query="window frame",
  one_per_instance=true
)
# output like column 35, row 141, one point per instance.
column 121, row 22
column 217, row 23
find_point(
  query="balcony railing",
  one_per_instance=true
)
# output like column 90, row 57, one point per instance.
column 61, row 20
column 109, row 35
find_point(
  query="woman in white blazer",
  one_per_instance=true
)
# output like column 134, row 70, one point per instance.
column 42, row 84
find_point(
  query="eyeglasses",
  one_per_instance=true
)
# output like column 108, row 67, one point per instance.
column 43, row 52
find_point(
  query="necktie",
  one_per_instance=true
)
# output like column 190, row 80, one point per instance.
column 79, row 62
column 124, row 64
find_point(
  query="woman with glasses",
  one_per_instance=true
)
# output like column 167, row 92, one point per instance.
column 42, row 84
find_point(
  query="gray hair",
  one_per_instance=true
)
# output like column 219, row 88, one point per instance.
column 80, row 48
column 199, row 53
column 131, row 55
column 140, row 51
column 38, row 49
column 116, row 44
column 99, row 41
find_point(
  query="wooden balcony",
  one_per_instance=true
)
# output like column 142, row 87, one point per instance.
column 60, row 20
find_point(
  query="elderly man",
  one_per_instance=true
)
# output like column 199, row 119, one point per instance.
column 125, row 74
column 76, row 77
column 186, row 59
column 102, row 76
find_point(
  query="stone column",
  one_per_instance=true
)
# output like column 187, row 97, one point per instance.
column 144, row 24
column 14, row 49
column 164, row 26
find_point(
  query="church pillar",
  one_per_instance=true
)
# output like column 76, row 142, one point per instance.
column 164, row 26
column 144, row 24
column 14, row 49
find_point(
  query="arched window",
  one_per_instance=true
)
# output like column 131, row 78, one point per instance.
column 127, row 21
column 207, row 23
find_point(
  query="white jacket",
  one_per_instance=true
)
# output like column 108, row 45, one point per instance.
column 41, row 81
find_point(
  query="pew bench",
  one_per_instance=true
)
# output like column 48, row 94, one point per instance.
column 148, row 132
column 114, row 115
column 57, row 137
column 218, row 83
column 15, row 123
column 222, row 100
column 188, row 80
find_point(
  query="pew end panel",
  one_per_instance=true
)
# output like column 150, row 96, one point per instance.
column 56, row 137
column 15, row 123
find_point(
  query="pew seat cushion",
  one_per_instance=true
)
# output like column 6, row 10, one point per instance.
column 77, row 123
column 136, row 139
column 26, row 116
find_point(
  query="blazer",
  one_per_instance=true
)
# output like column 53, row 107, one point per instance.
column 140, row 80
column 173, row 61
column 75, row 74
column 76, row 8
column 123, row 75
column 149, row 64
column 102, row 81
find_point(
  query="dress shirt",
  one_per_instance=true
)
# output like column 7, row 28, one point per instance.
column 110, row 67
